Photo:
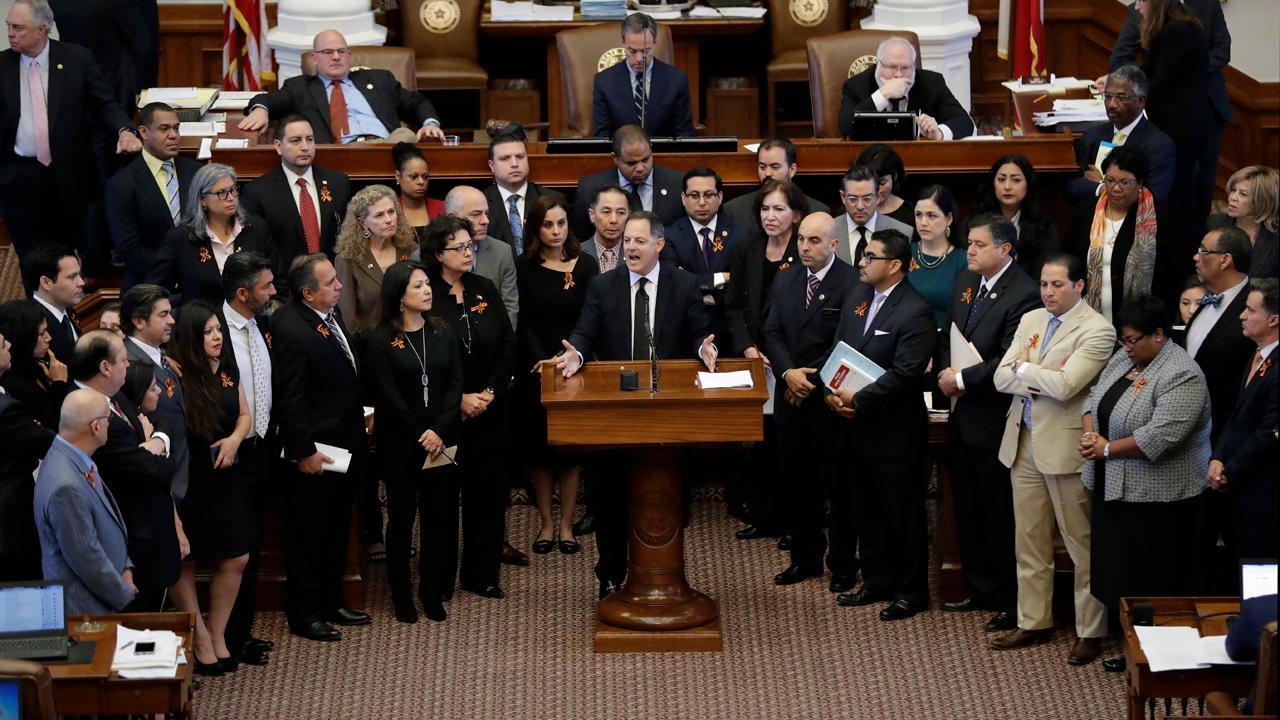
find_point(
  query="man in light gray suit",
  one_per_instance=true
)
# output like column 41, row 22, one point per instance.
column 494, row 259
column 83, row 540
column 861, row 218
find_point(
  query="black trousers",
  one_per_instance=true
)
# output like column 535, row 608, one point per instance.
column 762, row 495
column 484, row 496
column 257, row 465
column 1207, row 170
column 35, row 211
column 432, row 497
column 810, row 450
column 984, row 524
column 892, row 527
column 319, row 521
column 607, row 473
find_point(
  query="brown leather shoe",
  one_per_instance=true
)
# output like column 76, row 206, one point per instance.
column 512, row 556
column 1085, row 651
column 1021, row 638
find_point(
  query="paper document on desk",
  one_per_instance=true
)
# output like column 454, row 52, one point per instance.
column 164, row 656
column 848, row 368
column 1212, row 650
column 713, row 13
column 725, row 380
column 233, row 99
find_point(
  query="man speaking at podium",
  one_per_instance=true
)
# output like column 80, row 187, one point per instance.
column 637, row 311
column 895, row 85
column 643, row 90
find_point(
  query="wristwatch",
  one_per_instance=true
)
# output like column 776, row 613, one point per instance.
column 1106, row 451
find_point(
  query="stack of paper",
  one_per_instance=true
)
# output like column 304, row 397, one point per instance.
column 848, row 368
column 604, row 8
column 500, row 11
column 160, row 661
column 233, row 99
column 704, row 12
column 1055, row 82
column 1181, row 648
column 1072, row 111
column 724, row 380
column 660, row 12
column 190, row 102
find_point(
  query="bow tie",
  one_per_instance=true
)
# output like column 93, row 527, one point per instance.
column 1212, row 299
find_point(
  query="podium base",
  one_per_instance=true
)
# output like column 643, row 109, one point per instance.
column 704, row 638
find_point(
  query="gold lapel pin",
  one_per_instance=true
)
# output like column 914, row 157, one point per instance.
column 822, row 297
column 59, row 66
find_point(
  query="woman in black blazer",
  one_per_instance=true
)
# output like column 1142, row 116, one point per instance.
column 1175, row 56
column 36, row 377
column 413, row 368
column 213, row 226
column 471, row 306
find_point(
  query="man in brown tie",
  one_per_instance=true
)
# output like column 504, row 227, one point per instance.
column 301, row 202
column 346, row 105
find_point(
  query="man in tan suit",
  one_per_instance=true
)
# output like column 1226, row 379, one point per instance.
column 1055, row 357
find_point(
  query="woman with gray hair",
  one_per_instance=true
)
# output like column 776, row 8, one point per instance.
column 189, row 262
column 373, row 237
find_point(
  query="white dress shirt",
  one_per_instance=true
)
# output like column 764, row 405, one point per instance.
column 223, row 250
column 645, row 190
column 57, row 312
column 822, row 274
column 240, row 346
column 1208, row 316
column 520, row 193
column 292, row 178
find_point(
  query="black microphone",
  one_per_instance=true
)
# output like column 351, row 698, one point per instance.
column 644, row 88
column 653, row 351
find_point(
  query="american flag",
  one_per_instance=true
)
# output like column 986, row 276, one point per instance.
column 246, row 59
column 1027, row 37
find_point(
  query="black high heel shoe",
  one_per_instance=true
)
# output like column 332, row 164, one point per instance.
column 213, row 669
column 568, row 547
column 228, row 664
column 542, row 547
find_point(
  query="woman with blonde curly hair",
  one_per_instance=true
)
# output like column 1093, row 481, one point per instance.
column 1253, row 203
column 374, row 236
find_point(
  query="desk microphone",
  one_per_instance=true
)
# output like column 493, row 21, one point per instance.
column 653, row 352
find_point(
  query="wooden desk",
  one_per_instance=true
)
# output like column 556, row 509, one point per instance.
column 1143, row 685
column 1049, row 154
column 93, row 689
column 684, row 45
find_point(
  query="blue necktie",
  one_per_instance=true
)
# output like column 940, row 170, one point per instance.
column 1212, row 299
column 1054, row 323
column 517, row 223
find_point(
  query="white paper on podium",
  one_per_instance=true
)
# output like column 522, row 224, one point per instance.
column 725, row 380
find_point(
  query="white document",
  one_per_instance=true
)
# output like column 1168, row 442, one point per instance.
column 849, row 368
column 233, row 99
column 1171, row 648
column 164, row 657
column 341, row 457
column 963, row 353
column 444, row 458
column 750, row 13
column 206, row 149
column 725, row 380
column 232, row 143
column 772, row 384
column 169, row 95
column 1213, row 651
column 658, row 12
column 197, row 129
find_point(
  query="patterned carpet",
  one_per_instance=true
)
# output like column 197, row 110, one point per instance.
column 788, row 653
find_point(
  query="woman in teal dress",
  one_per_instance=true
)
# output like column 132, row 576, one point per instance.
column 937, row 258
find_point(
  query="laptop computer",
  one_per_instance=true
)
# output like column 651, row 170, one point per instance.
column 1257, row 578
column 33, row 620
column 883, row 126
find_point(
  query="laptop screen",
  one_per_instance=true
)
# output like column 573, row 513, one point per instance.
column 1257, row 578
column 32, row 608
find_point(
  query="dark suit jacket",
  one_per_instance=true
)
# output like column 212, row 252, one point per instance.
column 140, row 483
column 680, row 321
column 929, row 95
column 1176, row 64
column 41, row 398
column 185, row 263
column 138, row 214
column 306, row 95
column 499, row 224
column 667, row 113
column 61, row 343
column 316, row 395
column 1223, row 357
column 683, row 249
column 891, row 420
column 667, row 186
column 270, row 197
column 25, row 443
column 1155, row 144
column 745, row 308
column 78, row 99
column 979, row 414
column 1247, row 445
column 118, row 35
column 1212, row 24
column 170, row 416
column 796, row 336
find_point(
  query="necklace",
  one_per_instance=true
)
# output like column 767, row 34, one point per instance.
column 466, row 324
column 421, row 359
column 920, row 257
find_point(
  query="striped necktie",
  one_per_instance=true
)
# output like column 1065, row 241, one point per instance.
column 516, row 222
column 638, row 94
column 171, row 190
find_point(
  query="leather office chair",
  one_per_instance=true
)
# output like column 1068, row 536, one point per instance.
column 791, row 23
column 398, row 60
column 445, row 37
column 586, row 51
column 35, row 688
column 836, row 58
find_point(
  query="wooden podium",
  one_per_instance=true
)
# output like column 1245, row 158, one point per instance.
column 656, row 610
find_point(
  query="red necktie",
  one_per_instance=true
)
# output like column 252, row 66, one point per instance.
column 338, row 112
column 310, row 226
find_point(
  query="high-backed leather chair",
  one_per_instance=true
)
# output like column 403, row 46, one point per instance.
column 586, row 51
column 445, row 38
column 836, row 58
column 35, row 688
column 398, row 60
column 791, row 23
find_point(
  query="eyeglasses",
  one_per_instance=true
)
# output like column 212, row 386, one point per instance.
column 1122, row 97
column 872, row 258
column 463, row 249
column 226, row 194
column 904, row 69
column 1130, row 342
column 708, row 195
column 1125, row 184
column 1202, row 250
column 330, row 52
column 859, row 199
